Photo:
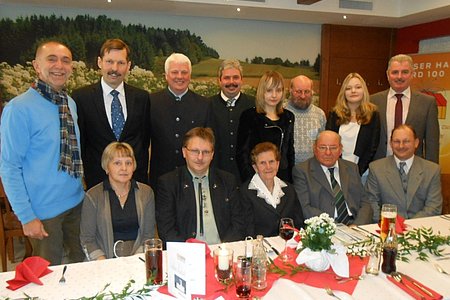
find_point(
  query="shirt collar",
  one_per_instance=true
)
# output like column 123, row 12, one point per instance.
column 408, row 162
column 194, row 176
column 335, row 166
column 107, row 89
column 175, row 95
column 406, row 93
column 225, row 98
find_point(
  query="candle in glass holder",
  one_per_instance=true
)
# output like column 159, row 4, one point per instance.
column 223, row 260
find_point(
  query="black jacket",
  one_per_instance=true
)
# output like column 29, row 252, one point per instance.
column 255, row 128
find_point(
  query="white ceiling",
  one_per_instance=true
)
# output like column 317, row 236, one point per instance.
column 384, row 13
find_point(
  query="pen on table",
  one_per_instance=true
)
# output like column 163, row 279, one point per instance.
column 271, row 247
column 141, row 259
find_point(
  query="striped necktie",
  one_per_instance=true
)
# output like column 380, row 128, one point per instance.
column 403, row 175
column 341, row 207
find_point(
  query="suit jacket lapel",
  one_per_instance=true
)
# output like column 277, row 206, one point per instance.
column 99, row 104
column 393, row 175
column 319, row 176
column 344, row 179
column 415, row 176
column 129, row 99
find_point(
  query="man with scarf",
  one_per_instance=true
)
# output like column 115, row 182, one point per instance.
column 40, row 164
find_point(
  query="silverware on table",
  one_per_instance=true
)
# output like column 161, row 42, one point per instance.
column 331, row 293
column 440, row 269
column 397, row 277
column 413, row 281
column 63, row 279
column 367, row 231
column 347, row 279
column 271, row 247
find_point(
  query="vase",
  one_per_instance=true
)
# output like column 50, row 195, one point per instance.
column 317, row 261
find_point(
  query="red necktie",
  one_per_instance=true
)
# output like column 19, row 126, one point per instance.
column 398, row 110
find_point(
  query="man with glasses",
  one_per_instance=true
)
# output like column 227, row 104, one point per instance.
column 197, row 200
column 328, row 184
column 404, row 179
column 309, row 119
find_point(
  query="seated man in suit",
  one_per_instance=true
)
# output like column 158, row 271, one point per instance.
column 404, row 179
column 196, row 200
column 327, row 183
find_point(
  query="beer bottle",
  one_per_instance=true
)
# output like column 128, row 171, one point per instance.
column 390, row 251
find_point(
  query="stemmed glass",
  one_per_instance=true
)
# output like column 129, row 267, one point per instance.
column 286, row 233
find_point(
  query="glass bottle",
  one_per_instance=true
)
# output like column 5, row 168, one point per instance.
column 259, row 264
column 390, row 251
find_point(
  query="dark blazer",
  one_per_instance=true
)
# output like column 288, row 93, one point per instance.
column 262, row 218
column 366, row 141
column 225, row 122
column 176, row 215
column 422, row 116
column 255, row 128
column 171, row 120
column 96, row 133
column 423, row 196
column 315, row 194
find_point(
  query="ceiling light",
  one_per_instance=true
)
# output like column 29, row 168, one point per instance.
column 109, row 1
column 238, row 9
column 345, row 17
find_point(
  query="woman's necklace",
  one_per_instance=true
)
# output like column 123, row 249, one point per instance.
column 122, row 196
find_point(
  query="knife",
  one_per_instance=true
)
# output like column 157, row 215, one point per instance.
column 271, row 247
column 423, row 289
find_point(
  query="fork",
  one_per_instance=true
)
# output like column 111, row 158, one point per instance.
column 399, row 279
column 63, row 279
column 347, row 279
column 330, row 292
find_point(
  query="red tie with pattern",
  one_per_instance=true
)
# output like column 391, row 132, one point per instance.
column 398, row 111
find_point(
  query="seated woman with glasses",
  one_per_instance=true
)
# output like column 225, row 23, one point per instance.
column 118, row 214
column 266, row 198
column 357, row 121
column 267, row 122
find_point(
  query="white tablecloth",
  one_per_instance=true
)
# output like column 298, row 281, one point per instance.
column 89, row 278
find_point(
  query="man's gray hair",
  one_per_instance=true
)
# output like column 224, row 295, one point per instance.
column 177, row 58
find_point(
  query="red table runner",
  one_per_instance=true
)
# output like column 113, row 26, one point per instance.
column 215, row 289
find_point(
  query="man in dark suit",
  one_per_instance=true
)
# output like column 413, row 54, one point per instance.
column 226, row 109
column 414, row 108
column 174, row 111
column 95, row 119
column 414, row 187
column 315, row 183
column 196, row 200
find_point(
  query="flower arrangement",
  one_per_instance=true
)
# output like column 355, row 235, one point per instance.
column 318, row 233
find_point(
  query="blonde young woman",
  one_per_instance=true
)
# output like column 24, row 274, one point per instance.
column 357, row 121
column 267, row 122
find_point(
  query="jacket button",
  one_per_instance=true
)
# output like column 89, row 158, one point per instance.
column 227, row 199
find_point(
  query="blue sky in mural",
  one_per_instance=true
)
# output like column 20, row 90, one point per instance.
column 229, row 37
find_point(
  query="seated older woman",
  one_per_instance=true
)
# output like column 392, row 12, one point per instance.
column 118, row 213
column 266, row 198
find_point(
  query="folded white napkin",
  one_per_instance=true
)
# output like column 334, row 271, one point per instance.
column 338, row 260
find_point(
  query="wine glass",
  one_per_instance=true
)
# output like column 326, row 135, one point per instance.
column 286, row 233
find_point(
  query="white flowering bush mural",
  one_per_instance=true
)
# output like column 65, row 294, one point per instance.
column 16, row 79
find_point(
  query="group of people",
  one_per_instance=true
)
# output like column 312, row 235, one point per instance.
column 219, row 169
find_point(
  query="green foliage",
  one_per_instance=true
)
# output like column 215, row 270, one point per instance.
column 423, row 241
column 84, row 35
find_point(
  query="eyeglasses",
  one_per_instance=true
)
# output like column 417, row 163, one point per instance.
column 323, row 148
column 197, row 152
column 299, row 92
column 398, row 142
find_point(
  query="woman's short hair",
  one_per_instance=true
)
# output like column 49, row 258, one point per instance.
column 117, row 149
column 270, row 80
column 264, row 147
